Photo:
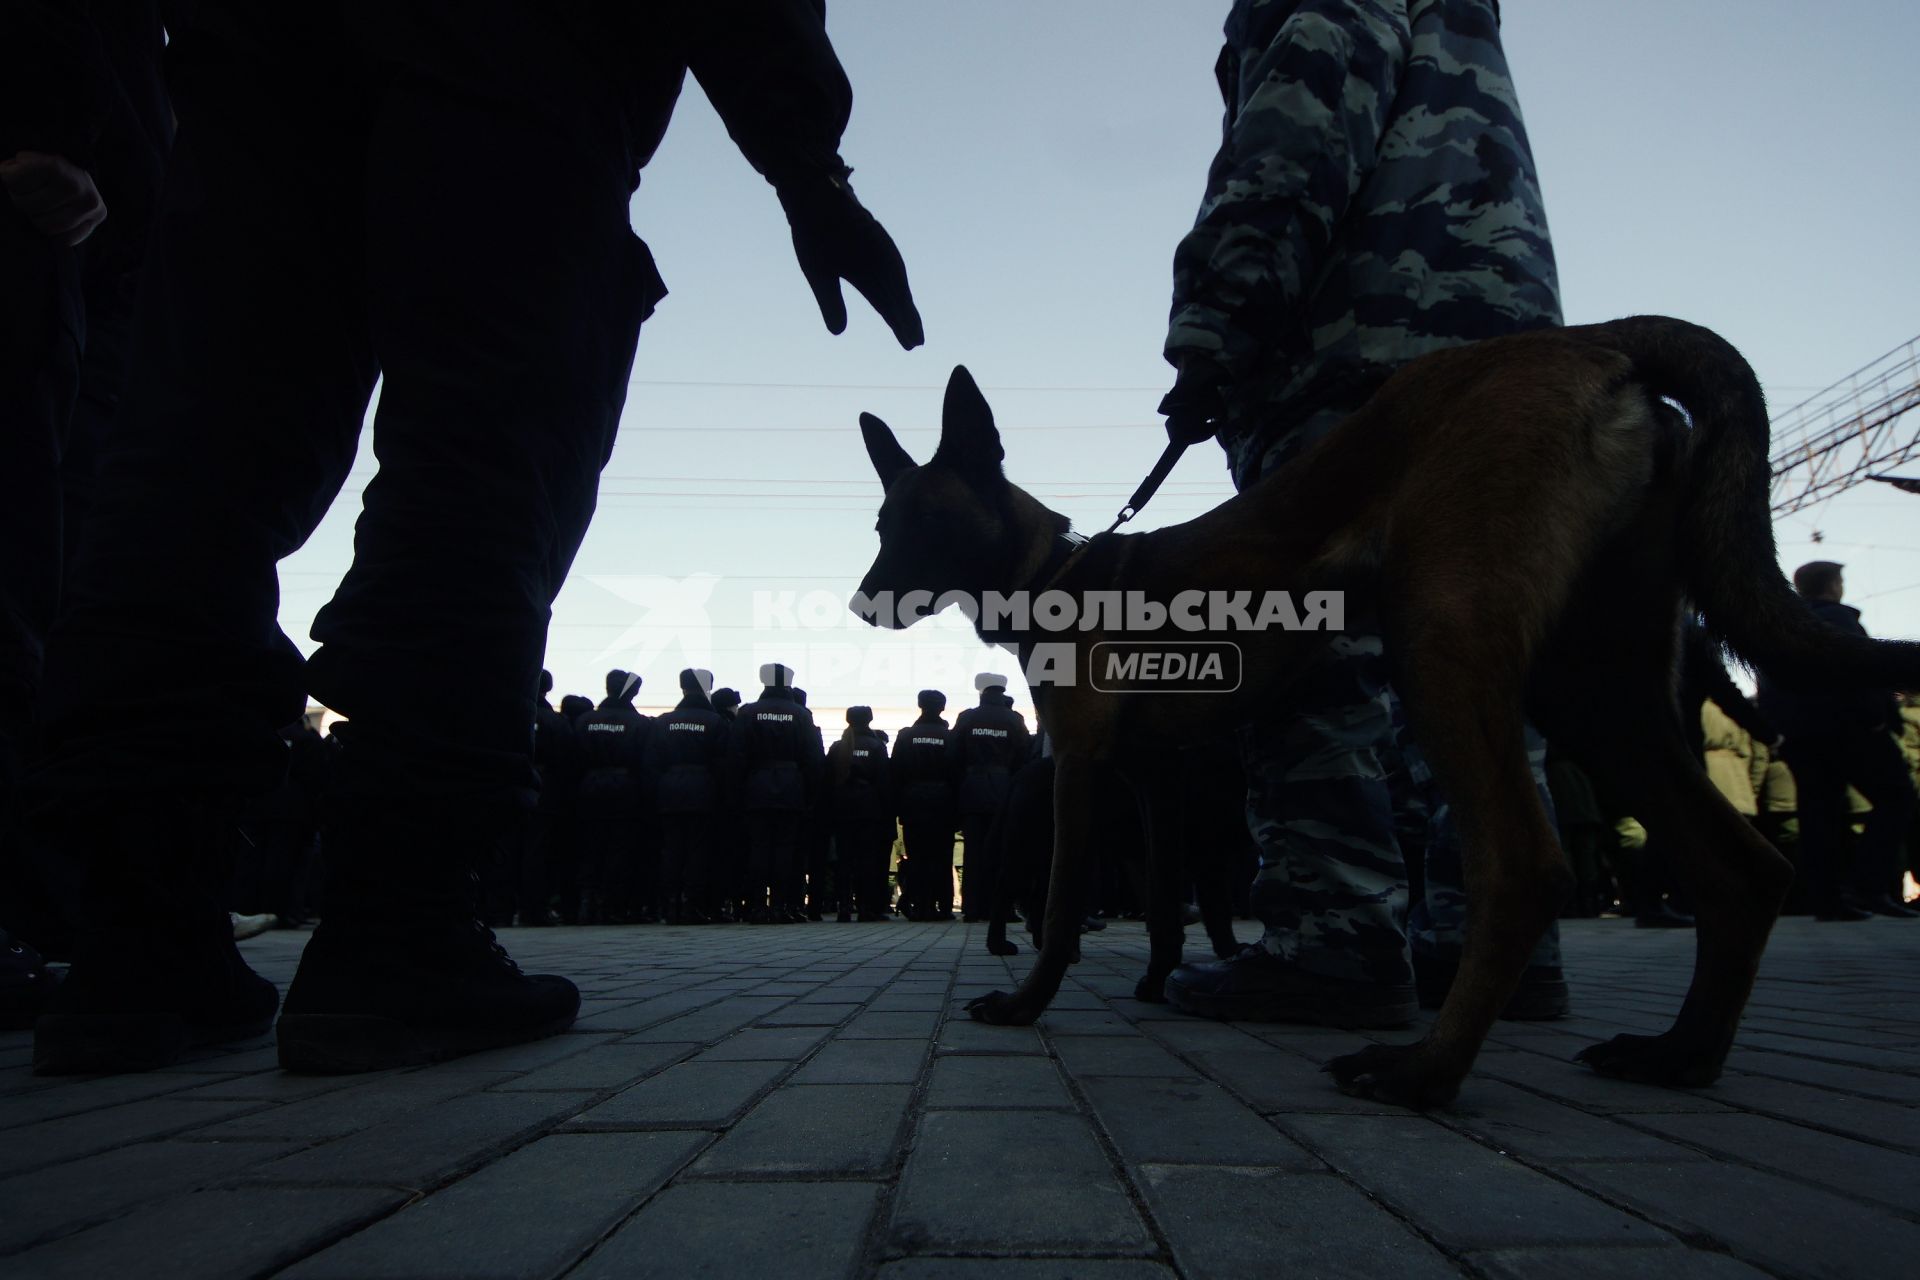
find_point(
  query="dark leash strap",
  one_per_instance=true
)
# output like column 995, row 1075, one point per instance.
column 1151, row 485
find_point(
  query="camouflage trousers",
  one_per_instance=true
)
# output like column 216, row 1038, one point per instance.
column 1336, row 791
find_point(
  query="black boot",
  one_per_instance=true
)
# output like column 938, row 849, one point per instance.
column 401, row 969
column 155, row 970
column 26, row 984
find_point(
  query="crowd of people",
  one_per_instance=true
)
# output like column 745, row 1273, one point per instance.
column 715, row 811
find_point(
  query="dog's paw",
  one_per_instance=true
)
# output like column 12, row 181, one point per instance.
column 1660, row 1059
column 1151, row 989
column 1398, row 1073
column 999, row 1009
column 1002, row 947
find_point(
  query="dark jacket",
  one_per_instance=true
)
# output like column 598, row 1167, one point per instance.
column 1800, row 712
column 686, row 758
column 857, row 777
column 775, row 753
column 922, row 774
column 1374, row 198
column 989, row 742
column 613, row 737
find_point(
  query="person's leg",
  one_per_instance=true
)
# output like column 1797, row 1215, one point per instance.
column 42, row 328
column 505, row 314
column 1878, row 771
column 1820, row 787
column 246, row 396
column 1331, row 889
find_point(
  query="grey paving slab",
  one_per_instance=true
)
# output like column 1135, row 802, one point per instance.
column 1545, row 1131
column 891, row 1026
column 1610, row 1264
column 696, row 1093
column 1025, row 1269
column 854, row 1061
column 70, row 1137
column 999, row 1082
column 1762, row 1218
column 1226, row 1223
column 51, row 1100
column 1846, row 1165
column 793, row 1230
column 703, row 1026
column 1012, row 1182
column 367, row 1101
column 210, row 1235
column 1458, row 1192
column 814, row 1129
column 961, row 1034
column 533, row 1213
column 767, row 1044
column 56, row 1201
column 429, row 1145
column 1187, row 1120
column 802, row 1013
column 608, row 1065
column 1115, row 1056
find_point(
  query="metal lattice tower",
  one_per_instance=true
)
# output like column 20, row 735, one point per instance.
column 1837, row 437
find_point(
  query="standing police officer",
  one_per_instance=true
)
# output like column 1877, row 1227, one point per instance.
column 776, row 754
column 685, row 758
column 613, row 740
column 988, row 743
column 729, row 836
column 862, row 817
column 924, row 796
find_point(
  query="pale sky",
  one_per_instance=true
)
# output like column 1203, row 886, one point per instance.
column 1747, row 166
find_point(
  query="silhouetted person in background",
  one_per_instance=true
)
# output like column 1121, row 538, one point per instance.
column 436, row 195
column 923, row 795
column 547, row 847
column 1833, row 741
column 775, row 753
column 685, row 765
column 730, row 829
column 813, row 875
column 862, row 817
column 613, row 744
column 988, row 743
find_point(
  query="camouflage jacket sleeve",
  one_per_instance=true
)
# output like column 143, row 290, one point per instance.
column 1308, row 86
column 772, row 75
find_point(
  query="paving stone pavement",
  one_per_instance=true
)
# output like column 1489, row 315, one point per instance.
column 804, row 1101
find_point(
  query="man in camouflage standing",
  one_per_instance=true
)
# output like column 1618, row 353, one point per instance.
column 1374, row 200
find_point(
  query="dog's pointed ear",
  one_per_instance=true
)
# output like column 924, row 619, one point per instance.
column 889, row 459
column 969, row 442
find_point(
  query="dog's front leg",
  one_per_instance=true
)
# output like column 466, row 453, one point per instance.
column 1166, row 934
column 1074, row 795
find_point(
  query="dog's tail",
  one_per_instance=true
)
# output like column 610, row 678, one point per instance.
column 1725, row 531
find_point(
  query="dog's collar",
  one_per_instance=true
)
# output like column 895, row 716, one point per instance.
column 1066, row 547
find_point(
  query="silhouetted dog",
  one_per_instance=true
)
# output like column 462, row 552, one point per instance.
column 1525, row 518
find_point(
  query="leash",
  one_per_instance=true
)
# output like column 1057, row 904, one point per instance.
column 1151, row 485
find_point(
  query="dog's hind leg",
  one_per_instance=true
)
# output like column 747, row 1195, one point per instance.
column 1076, row 786
column 1471, row 727
column 1166, row 934
column 1735, row 880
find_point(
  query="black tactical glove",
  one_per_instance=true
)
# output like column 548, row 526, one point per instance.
column 1197, row 403
column 836, row 239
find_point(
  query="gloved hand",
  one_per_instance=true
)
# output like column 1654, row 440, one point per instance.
column 56, row 196
column 836, row 239
column 1197, row 403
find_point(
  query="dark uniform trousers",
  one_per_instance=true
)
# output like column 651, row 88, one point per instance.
column 357, row 191
column 929, row 861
